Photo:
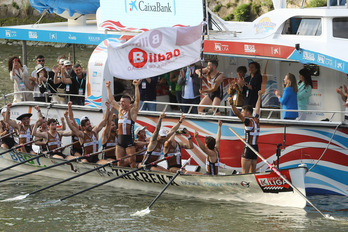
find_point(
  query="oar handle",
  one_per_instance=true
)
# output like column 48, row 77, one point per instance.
column 8, row 134
column 61, row 148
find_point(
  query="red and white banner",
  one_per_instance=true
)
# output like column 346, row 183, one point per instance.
column 155, row 52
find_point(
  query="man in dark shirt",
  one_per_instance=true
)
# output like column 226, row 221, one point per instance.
column 148, row 93
column 78, row 85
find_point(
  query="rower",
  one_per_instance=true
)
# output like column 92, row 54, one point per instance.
column 252, row 131
column 173, row 148
column 76, row 147
column 127, row 115
column 211, row 148
column 88, row 135
column 53, row 137
column 5, row 129
column 109, row 138
column 141, row 143
column 24, row 129
column 159, row 137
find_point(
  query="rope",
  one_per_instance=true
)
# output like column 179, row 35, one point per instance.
column 44, row 13
column 325, row 148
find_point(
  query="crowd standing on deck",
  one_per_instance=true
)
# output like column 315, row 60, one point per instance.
column 132, row 147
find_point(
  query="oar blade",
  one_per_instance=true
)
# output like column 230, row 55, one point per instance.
column 17, row 198
column 142, row 213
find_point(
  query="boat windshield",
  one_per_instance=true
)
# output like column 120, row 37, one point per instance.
column 340, row 27
column 302, row 26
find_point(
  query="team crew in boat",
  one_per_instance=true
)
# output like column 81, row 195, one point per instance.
column 252, row 131
column 126, row 118
column 211, row 148
column 88, row 135
column 141, row 143
column 215, row 90
column 6, row 132
column 24, row 128
column 52, row 137
column 159, row 137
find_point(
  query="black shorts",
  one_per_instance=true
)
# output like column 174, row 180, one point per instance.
column 74, row 150
column 249, row 154
column 28, row 149
column 9, row 142
column 92, row 159
column 125, row 141
column 218, row 93
column 58, row 153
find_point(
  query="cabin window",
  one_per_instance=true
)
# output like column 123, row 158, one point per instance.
column 302, row 26
column 340, row 27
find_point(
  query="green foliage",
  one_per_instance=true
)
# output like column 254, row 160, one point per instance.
column 268, row 4
column 15, row 5
column 228, row 5
column 256, row 8
column 217, row 7
column 317, row 3
column 229, row 17
column 242, row 12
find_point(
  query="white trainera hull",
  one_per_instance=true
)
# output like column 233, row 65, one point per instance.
column 265, row 188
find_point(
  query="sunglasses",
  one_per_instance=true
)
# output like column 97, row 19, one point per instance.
column 40, row 60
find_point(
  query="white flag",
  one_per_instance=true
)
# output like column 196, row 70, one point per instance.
column 155, row 52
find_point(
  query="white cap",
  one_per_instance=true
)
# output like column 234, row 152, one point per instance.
column 83, row 118
column 61, row 61
column 3, row 110
column 139, row 128
column 162, row 132
column 67, row 62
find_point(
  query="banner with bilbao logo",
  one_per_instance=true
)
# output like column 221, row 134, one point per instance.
column 155, row 52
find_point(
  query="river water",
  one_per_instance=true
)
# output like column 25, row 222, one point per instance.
column 109, row 209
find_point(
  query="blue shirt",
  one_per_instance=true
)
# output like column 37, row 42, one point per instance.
column 289, row 102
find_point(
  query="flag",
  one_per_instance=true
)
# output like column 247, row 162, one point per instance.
column 155, row 52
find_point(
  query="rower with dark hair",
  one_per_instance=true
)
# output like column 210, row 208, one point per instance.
column 127, row 115
column 88, row 135
column 24, row 129
column 159, row 137
column 211, row 148
column 53, row 137
column 6, row 132
column 252, row 131
column 141, row 143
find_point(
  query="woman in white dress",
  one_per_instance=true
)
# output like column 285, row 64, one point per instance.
column 20, row 75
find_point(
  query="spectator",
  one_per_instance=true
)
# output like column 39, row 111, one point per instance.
column 252, row 84
column 344, row 96
column 304, row 91
column 40, row 83
column 236, row 90
column 77, row 84
column 40, row 59
column 62, row 79
column 20, row 76
column 171, row 89
column 289, row 98
column 174, row 77
column 148, row 93
column 215, row 90
column 191, row 84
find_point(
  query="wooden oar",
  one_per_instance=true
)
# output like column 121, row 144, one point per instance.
column 147, row 210
column 115, row 178
column 21, row 197
column 280, row 175
column 18, row 146
column 35, row 157
column 55, row 165
column 7, row 135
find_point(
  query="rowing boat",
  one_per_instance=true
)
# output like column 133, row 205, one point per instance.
column 265, row 188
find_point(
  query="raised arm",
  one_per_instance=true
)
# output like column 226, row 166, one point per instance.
column 71, row 115
column 200, row 143
column 111, row 96
column 74, row 129
column 39, row 114
column 235, row 110
column 37, row 133
column 8, row 120
column 218, row 135
column 158, row 127
column 63, row 128
column 258, row 103
column 188, row 145
column 176, row 127
column 56, row 71
column 135, row 109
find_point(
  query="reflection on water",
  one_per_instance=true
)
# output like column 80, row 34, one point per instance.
column 109, row 209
